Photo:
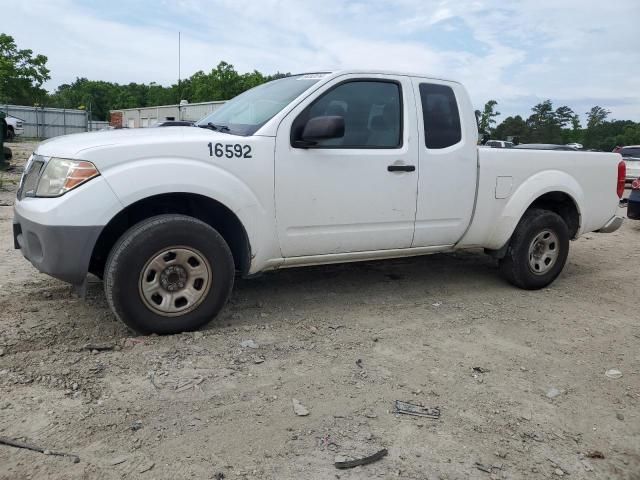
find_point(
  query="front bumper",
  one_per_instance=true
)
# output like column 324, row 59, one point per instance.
column 63, row 252
column 612, row 225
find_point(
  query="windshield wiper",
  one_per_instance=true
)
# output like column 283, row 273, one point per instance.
column 213, row 126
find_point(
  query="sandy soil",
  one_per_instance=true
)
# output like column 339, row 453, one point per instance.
column 345, row 341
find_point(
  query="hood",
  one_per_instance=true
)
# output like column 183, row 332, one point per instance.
column 72, row 146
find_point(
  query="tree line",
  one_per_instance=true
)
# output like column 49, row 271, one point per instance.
column 561, row 125
column 22, row 75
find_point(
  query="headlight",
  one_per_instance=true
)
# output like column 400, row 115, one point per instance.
column 61, row 175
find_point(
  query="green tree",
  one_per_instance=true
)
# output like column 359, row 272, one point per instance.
column 564, row 116
column 21, row 73
column 512, row 127
column 575, row 123
column 596, row 116
column 486, row 117
column 544, row 125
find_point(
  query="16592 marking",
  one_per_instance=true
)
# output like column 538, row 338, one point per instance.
column 229, row 150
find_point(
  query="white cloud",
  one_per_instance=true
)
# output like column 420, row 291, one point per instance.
column 573, row 52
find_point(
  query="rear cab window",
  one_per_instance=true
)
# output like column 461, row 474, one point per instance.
column 633, row 152
column 440, row 114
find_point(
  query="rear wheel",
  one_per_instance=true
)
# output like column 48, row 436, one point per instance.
column 168, row 274
column 10, row 134
column 537, row 251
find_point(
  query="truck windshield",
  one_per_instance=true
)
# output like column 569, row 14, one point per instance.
column 246, row 113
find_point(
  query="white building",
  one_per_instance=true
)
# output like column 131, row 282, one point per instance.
column 147, row 116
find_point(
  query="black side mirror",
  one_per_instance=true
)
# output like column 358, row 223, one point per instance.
column 323, row 128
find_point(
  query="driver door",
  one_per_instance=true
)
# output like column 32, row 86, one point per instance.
column 357, row 192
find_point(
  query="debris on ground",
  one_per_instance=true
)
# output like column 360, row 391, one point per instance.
column 487, row 468
column 619, row 416
column 248, row 344
column 481, row 370
column 536, row 436
column 594, row 454
column 587, row 465
column 132, row 342
column 613, row 373
column 135, row 426
column 553, row 392
column 152, row 378
column 558, row 468
column 359, row 363
column 45, row 451
column 299, row 409
column 189, row 384
column 100, row 347
column 145, row 467
column 342, row 464
column 406, row 408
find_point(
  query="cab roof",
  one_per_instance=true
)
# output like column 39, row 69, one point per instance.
column 337, row 73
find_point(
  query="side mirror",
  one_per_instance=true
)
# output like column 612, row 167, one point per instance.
column 323, row 128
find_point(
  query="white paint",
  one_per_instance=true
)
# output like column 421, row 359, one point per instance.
column 302, row 207
column 504, row 186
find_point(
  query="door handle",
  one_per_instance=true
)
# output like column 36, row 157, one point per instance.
column 401, row 168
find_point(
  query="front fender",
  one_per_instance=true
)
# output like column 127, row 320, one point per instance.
column 141, row 179
column 529, row 190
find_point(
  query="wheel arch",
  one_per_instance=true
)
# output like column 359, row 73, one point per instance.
column 204, row 208
column 561, row 194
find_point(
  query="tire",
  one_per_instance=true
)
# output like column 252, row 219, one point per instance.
column 160, row 278
column 537, row 251
column 10, row 134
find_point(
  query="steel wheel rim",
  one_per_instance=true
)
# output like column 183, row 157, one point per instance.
column 543, row 252
column 175, row 281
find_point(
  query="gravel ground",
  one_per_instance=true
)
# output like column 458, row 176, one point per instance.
column 345, row 341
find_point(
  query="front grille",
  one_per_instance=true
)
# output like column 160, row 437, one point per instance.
column 29, row 181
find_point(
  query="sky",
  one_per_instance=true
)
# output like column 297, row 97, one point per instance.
column 578, row 53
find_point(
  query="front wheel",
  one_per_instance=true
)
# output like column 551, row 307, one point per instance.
column 537, row 251
column 168, row 274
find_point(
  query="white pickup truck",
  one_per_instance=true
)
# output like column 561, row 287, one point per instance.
column 309, row 169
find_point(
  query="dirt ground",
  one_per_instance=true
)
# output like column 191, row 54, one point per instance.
column 346, row 341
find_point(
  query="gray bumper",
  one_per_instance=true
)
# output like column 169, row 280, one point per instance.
column 612, row 225
column 63, row 252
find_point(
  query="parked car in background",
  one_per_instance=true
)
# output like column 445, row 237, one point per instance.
column 633, row 203
column 576, row 146
column 173, row 123
column 499, row 144
column 545, row 146
column 15, row 127
column 631, row 157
